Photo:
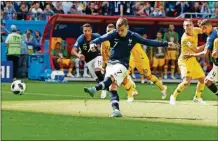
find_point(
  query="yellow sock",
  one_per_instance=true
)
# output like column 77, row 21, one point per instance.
column 156, row 81
column 165, row 69
column 70, row 70
column 172, row 70
column 199, row 89
column 179, row 89
column 128, row 87
column 61, row 69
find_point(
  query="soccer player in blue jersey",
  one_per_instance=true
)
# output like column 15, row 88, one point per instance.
column 121, row 41
column 211, row 48
column 93, row 59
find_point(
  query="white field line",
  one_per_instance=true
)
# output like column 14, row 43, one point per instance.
column 54, row 95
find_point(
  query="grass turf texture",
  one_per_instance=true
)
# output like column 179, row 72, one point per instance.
column 29, row 125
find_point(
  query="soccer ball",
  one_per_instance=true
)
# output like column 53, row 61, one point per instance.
column 18, row 87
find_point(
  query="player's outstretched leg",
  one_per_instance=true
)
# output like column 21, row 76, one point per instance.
column 114, row 97
column 157, row 82
column 100, row 86
column 101, row 78
column 179, row 89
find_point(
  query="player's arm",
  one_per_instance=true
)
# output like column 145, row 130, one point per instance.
column 198, row 30
column 215, row 50
column 148, row 42
column 75, row 48
column 103, row 38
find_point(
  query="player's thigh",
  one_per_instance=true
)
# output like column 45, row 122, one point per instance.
column 132, row 63
column 66, row 62
column 213, row 74
column 155, row 62
column 117, row 71
column 144, row 67
column 161, row 62
column 98, row 62
column 197, row 71
column 185, row 72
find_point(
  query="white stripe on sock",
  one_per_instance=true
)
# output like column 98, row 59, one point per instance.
column 103, row 86
column 114, row 101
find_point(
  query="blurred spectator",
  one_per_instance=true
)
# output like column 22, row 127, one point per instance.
column 58, row 9
column 216, row 14
column 205, row 10
column 116, row 8
column 196, row 9
column 92, row 9
column 22, row 12
column 4, row 31
column 13, row 42
column 211, row 5
column 66, row 6
column 140, row 9
column 29, row 40
column 37, row 41
column 35, row 11
column 9, row 11
column 181, row 7
column 105, row 8
column 148, row 9
column 128, row 7
column 170, row 8
column 47, row 12
column 157, row 13
column 159, row 4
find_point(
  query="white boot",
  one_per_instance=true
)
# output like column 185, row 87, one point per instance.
column 172, row 100
column 103, row 94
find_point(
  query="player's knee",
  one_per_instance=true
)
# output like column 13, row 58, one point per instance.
column 186, row 83
column 113, row 87
column 148, row 77
column 207, row 82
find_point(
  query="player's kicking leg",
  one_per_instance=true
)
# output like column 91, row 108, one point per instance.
column 114, row 76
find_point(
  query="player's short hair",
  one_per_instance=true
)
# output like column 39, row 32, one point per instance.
column 122, row 21
column 87, row 25
column 204, row 22
column 110, row 26
column 188, row 20
column 58, row 43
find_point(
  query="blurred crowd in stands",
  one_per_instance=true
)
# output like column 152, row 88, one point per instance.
column 42, row 10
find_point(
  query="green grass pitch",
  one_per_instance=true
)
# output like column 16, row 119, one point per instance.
column 31, row 116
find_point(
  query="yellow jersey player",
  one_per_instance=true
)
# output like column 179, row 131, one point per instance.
column 127, row 83
column 211, row 48
column 159, row 57
column 190, row 68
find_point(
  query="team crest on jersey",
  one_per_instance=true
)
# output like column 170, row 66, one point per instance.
column 189, row 44
column 130, row 42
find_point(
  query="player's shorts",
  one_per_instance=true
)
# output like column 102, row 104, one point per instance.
column 190, row 68
column 118, row 71
column 65, row 62
column 213, row 74
column 94, row 64
column 171, row 55
column 158, row 62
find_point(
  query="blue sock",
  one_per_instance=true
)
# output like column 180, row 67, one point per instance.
column 114, row 100
column 104, row 85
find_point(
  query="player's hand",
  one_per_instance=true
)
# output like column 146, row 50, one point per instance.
column 92, row 48
column 215, row 53
column 172, row 45
column 81, row 57
column 188, row 55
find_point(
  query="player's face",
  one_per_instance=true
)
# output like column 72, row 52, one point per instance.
column 188, row 26
column 58, row 46
column 159, row 35
column 87, row 31
column 207, row 29
column 122, row 30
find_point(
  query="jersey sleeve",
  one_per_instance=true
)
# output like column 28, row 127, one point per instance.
column 78, row 42
column 209, row 43
column 197, row 30
column 103, row 38
column 148, row 42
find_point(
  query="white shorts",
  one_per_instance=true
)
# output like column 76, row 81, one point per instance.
column 93, row 64
column 213, row 74
column 118, row 71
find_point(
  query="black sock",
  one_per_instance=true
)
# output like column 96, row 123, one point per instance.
column 104, row 84
column 114, row 100
column 213, row 88
column 99, row 75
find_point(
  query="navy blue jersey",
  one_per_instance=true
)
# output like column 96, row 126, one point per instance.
column 210, row 43
column 83, row 45
column 120, row 47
